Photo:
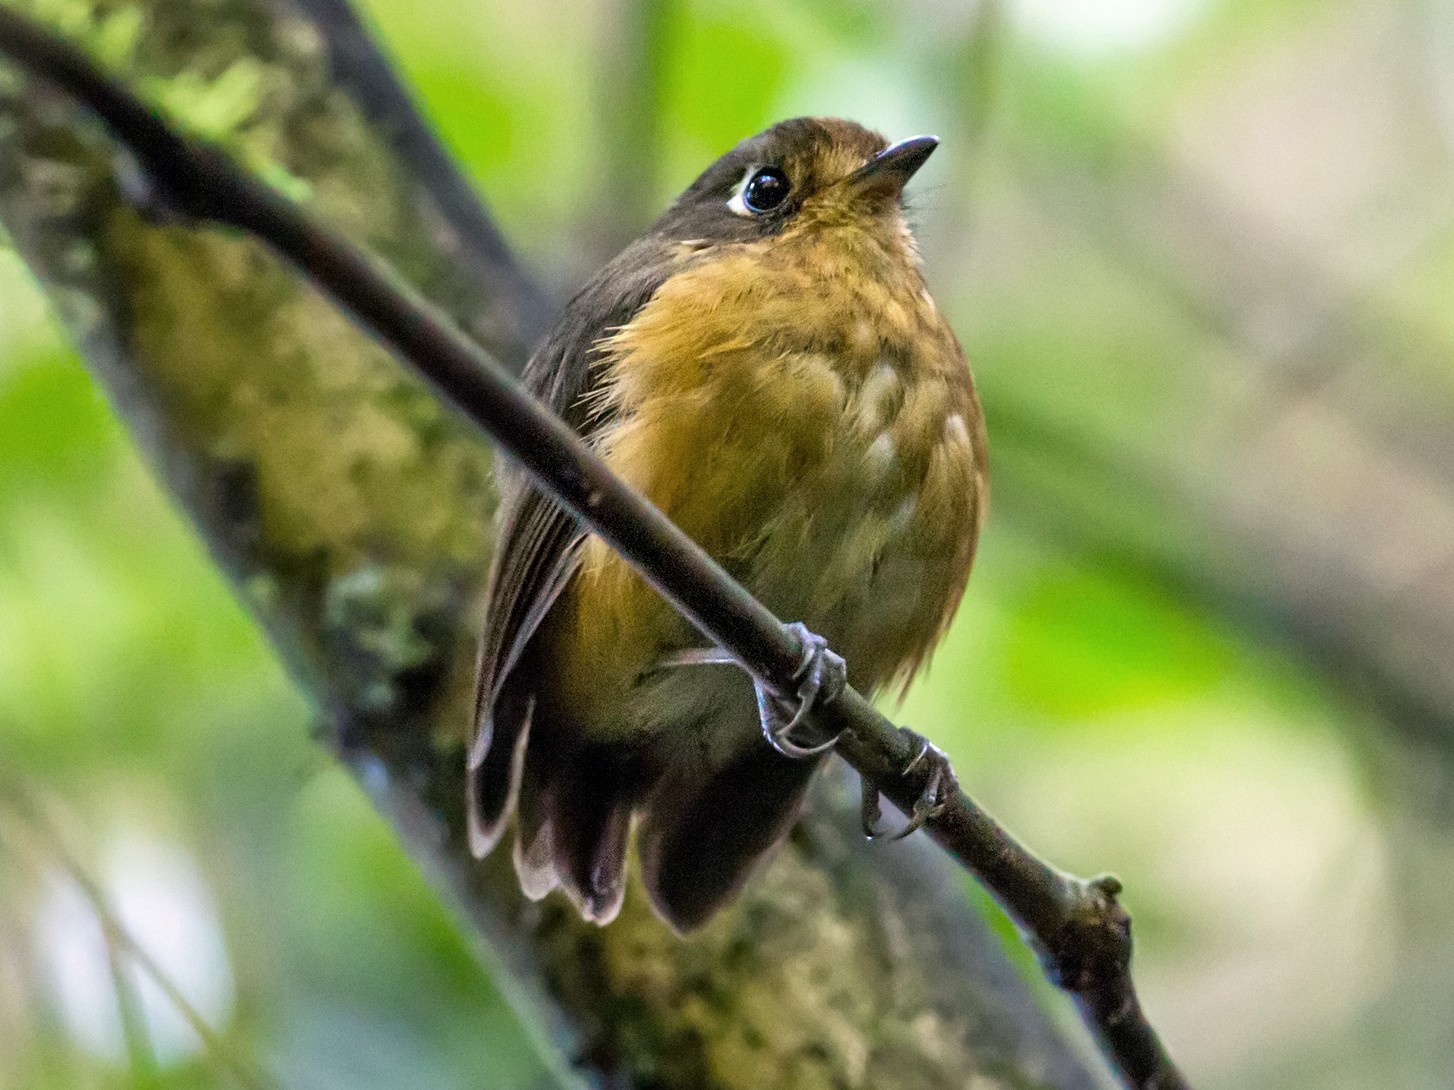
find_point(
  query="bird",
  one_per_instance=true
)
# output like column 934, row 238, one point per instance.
column 767, row 366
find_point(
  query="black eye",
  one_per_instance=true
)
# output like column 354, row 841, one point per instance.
column 765, row 190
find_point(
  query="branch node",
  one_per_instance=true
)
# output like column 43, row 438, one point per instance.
column 1091, row 950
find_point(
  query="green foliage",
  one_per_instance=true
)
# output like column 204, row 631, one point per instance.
column 1080, row 647
column 723, row 79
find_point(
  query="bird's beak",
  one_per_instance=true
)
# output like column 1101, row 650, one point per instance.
column 889, row 171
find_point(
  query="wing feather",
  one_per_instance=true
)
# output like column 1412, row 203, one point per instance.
column 537, row 552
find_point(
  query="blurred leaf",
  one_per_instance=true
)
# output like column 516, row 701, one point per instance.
column 56, row 434
column 720, row 84
column 1081, row 646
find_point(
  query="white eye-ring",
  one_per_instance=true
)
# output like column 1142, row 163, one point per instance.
column 761, row 190
column 735, row 203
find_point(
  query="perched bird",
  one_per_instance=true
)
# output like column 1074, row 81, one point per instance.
column 767, row 366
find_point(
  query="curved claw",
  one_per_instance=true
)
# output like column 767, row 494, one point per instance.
column 770, row 711
column 821, row 677
column 931, row 801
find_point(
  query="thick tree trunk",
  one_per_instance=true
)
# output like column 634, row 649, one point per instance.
column 353, row 513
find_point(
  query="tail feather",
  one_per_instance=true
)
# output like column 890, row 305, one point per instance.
column 590, row 854
column 494, row 785
column 701, row 837
column 574, row 817
column 704, row 825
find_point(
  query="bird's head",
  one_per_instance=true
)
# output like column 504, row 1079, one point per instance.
column 800, row 175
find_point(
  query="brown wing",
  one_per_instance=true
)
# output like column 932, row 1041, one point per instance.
column 538, row 546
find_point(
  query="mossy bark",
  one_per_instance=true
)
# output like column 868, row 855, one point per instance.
column 353, row 512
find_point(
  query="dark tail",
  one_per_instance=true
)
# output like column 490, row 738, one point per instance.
column 703, row 828
column 494, row 785
column 701, row 836
column 574, row 817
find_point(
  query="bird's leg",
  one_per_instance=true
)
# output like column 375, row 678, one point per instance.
column 695, row 656
column 821, row 677
column 938, row 789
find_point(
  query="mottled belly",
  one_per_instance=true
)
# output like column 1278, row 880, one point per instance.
column 871, row 547
column 843, row 496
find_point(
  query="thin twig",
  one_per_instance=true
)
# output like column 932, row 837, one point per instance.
column 120, row 942
column 1078, row 927
column 134, row 1030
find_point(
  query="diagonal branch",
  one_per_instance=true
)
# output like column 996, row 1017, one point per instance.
column 1078, row 927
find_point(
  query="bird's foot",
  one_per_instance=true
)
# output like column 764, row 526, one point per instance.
column 939, row 788
column 820, row 678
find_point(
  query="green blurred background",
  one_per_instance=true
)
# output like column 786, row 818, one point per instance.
column 1200, row 252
